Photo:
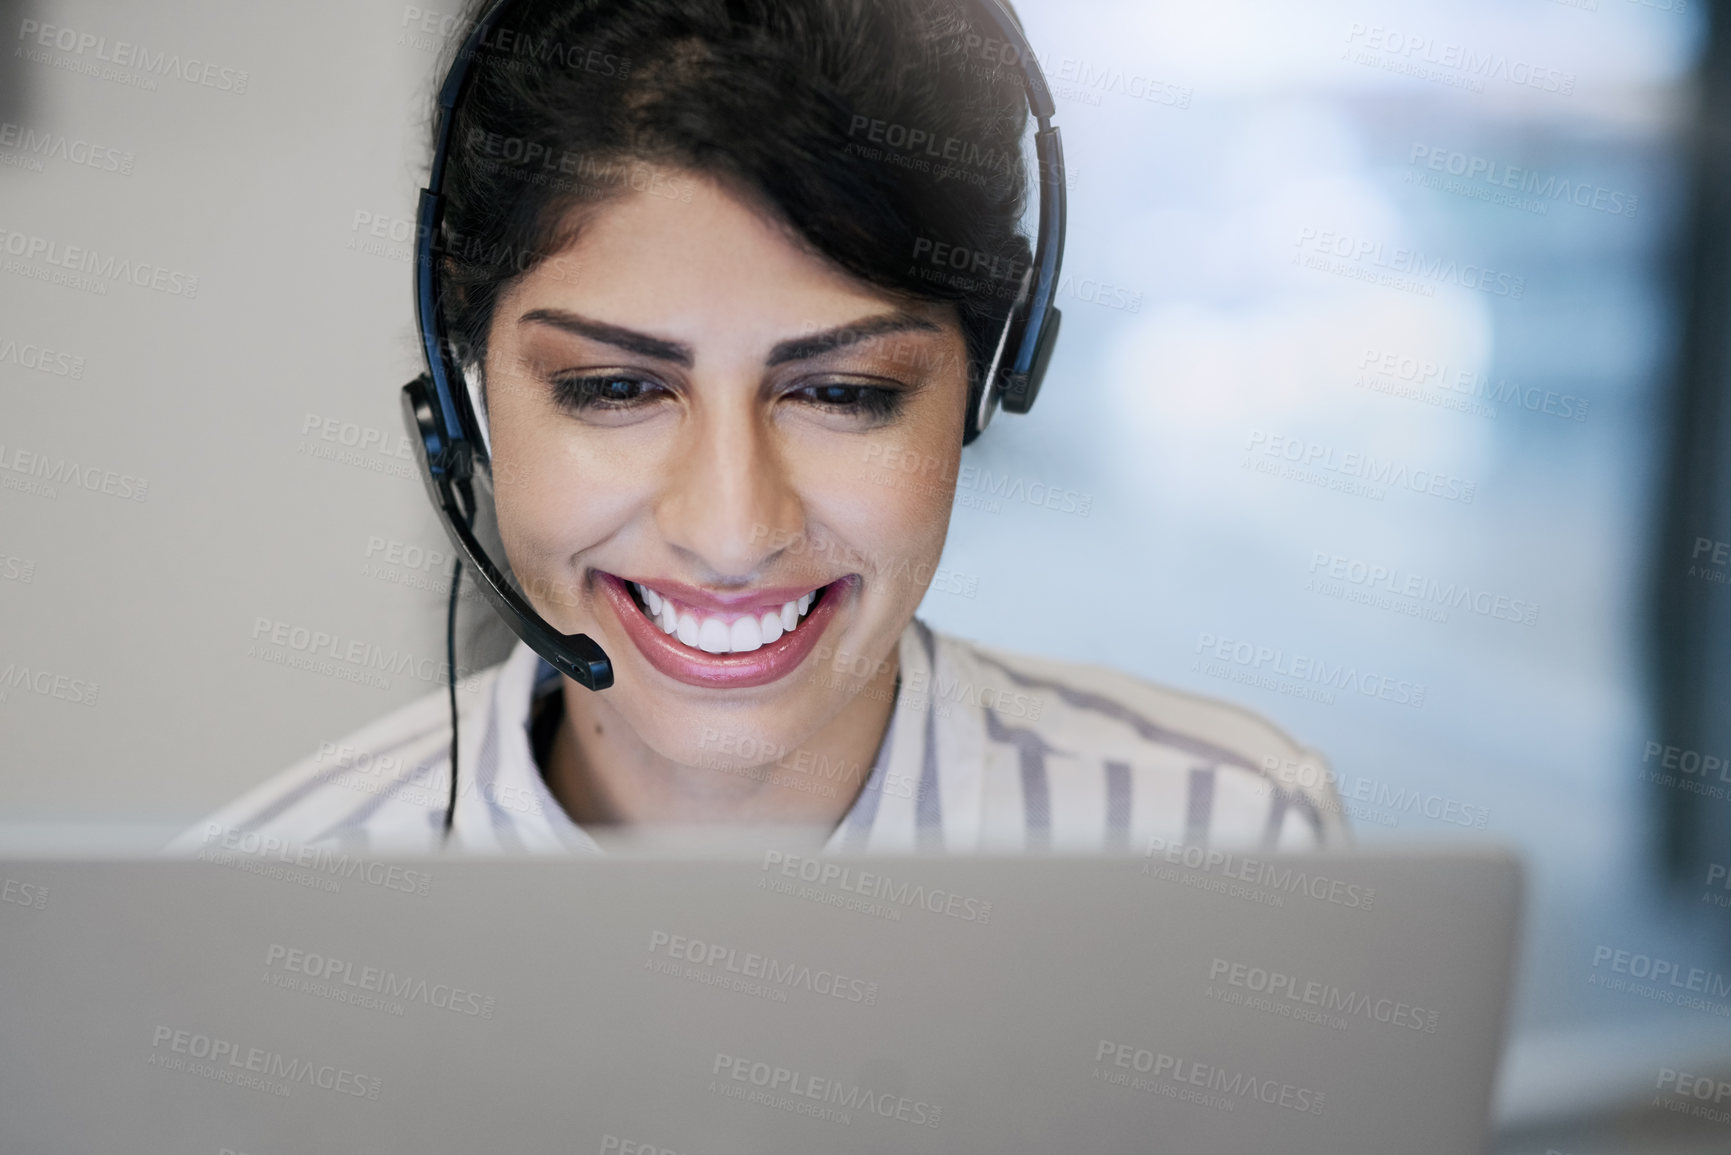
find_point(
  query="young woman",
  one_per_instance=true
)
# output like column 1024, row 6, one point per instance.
column 692, row 251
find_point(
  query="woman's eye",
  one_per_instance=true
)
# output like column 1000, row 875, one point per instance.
column 872, row 401
column 602, row 391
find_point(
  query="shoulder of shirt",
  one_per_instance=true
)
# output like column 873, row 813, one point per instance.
column 1059, row 696
column 393, row 764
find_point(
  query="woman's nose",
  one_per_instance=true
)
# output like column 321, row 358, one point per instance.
column 729, row 498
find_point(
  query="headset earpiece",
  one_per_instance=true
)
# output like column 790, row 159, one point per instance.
column 1020, row 389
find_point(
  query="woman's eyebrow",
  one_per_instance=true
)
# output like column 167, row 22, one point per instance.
column 628, row 339
column 793, row 349
column 817, row 344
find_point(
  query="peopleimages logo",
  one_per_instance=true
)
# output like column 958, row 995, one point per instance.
column 1380, row 796
column 1074, row 78
column 1717, row 553
column 1304, row 669
column 89, row 270
column 1717, row 875
column 430, row 30
column 48, row 472
column 1688, row 761
column 43, row 145
column 913, row 139
column 1221, row 1086
column 88, row 46
column 345, row 981
column 1324, row 997
column 247, row 849
column 1372, row 260
column 757, row 751
column 40, row 358
column 1689, row 1094
column 1423, row 593
column 1381, row 368
column 47, row 684
column 765, row 968
column 32, row 895
column 830, row 875
column 1497, row 176
column 1281, row 878
column 230, row 1062
column 799, row 1092
column 17, row 569
column 1694, row 980
column 1445, row 62
column 361, row 656
column 1353, row 471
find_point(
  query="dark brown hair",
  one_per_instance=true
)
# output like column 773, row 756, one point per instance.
column 867, row 127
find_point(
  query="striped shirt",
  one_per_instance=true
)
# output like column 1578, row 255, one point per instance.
column 985, row 751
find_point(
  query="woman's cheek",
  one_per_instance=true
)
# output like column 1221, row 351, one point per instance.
column 900, row 530
column 536, row 517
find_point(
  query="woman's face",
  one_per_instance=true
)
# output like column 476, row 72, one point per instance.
column 700, row 427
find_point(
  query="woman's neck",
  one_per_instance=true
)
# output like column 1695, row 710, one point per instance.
column 603, row 774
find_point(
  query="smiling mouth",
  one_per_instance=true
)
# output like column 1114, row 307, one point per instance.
column 723, row 633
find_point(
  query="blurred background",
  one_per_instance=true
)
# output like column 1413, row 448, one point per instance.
column 1396, row 338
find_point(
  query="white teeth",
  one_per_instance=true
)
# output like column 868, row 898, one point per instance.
column 745, row 635
column 716, row 636
column 650, row 598
column 770, row 627
column 713, row 636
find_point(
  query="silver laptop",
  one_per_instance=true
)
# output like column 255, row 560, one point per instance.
column 274, row 1000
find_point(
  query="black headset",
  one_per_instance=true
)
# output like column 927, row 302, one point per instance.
column 447, row 436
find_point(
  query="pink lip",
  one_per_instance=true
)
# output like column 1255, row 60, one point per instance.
column 724, row 671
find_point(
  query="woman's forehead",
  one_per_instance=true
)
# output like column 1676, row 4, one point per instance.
column 703, row 260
